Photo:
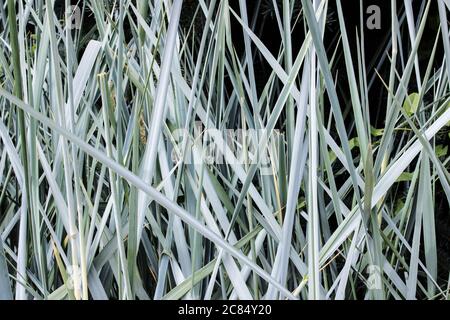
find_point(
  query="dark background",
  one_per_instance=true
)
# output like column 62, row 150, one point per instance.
column 261, row 15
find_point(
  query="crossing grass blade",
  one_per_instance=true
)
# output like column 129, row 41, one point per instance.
column 172, row 150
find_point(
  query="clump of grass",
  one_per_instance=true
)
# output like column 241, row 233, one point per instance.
column 109, row 187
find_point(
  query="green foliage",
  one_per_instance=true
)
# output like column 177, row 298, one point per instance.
column 100, row 197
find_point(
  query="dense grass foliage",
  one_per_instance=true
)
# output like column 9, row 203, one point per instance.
column 164, row 150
